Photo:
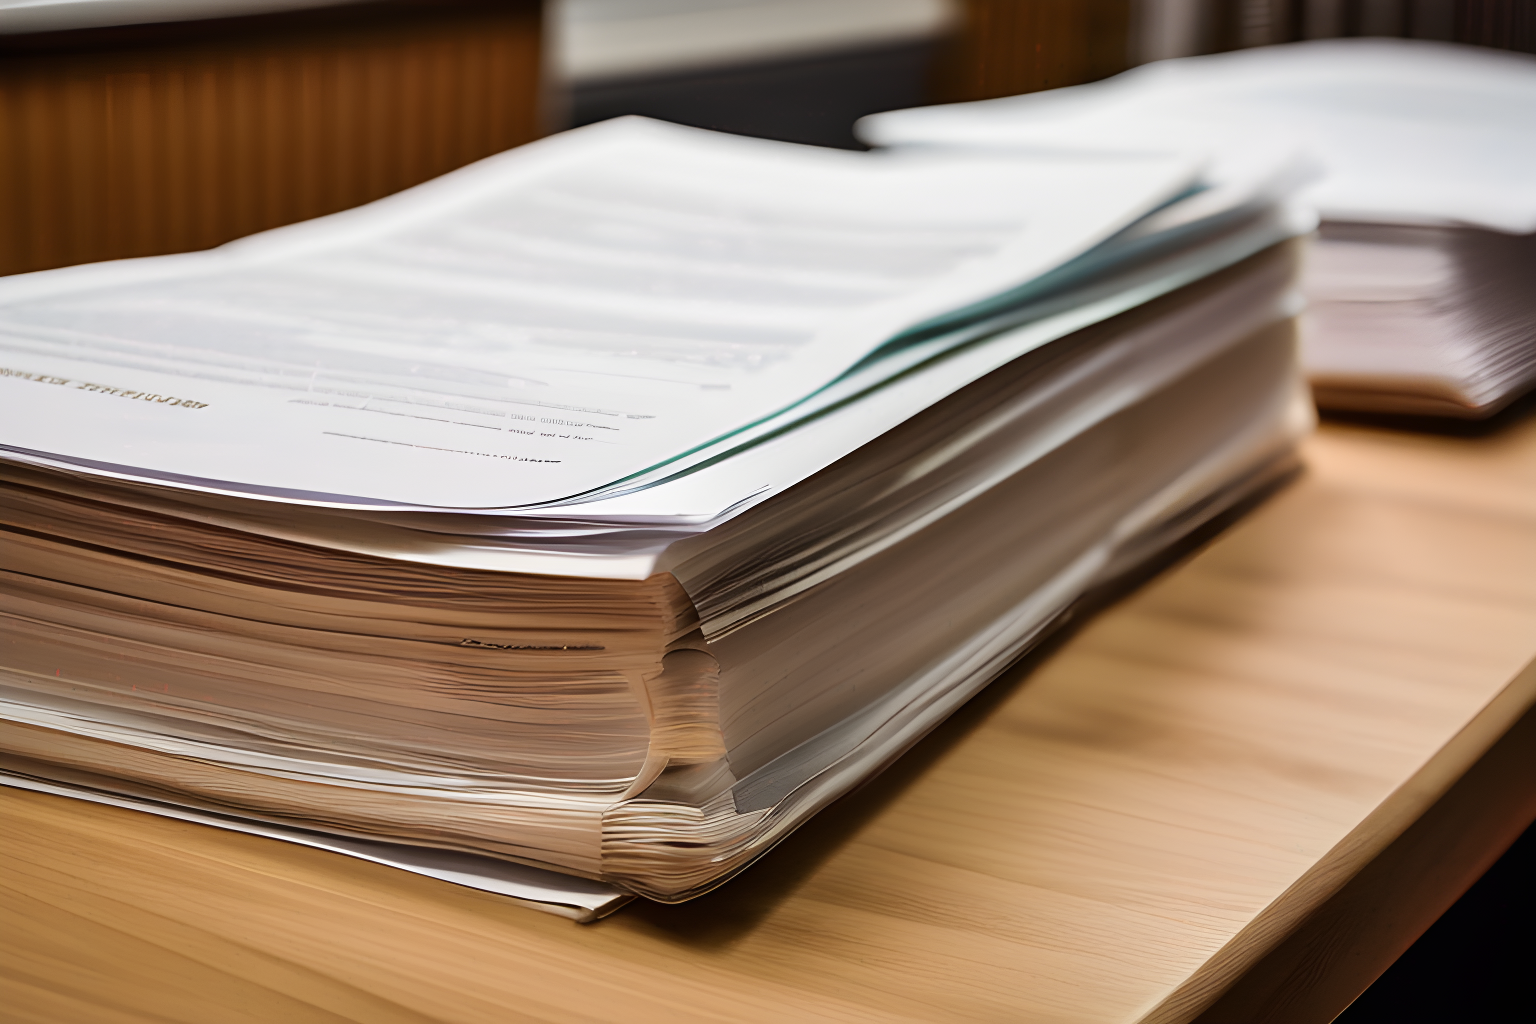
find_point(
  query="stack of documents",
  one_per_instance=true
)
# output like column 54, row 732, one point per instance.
column 610, row 506
column 1418, row 284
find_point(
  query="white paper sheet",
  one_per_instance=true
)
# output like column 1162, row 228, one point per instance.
column 579, row 899
column 1408, row 131
column 537, row 325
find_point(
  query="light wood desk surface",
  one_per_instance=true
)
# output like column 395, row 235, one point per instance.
column 1112, row 835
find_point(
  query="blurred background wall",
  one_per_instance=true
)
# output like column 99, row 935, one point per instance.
column 134, row 139
column 137, row 127
column 805, row 70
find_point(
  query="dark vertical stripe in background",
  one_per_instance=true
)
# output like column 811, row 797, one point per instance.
column 1231, row 24
column 1507, row 24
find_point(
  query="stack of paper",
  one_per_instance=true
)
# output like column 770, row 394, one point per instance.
column 1418, row 283
column 612, row 505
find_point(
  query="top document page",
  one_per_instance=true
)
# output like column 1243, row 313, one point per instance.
column 537, row 326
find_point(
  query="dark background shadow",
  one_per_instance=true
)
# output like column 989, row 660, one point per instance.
column 1475, row 963
column 813, row 99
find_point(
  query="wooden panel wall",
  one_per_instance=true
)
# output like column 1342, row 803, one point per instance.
column 142, row 140
column 1005, row 47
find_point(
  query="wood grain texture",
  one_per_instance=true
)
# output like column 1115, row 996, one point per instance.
column 1005, row 47
column 150, row 139
column 1114, row 833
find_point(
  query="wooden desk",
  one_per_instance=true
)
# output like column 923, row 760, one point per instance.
column 1114, row 833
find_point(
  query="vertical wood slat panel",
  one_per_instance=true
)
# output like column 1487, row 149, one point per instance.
column 1235, row 24
column 1004, row 47
column 121, row 143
